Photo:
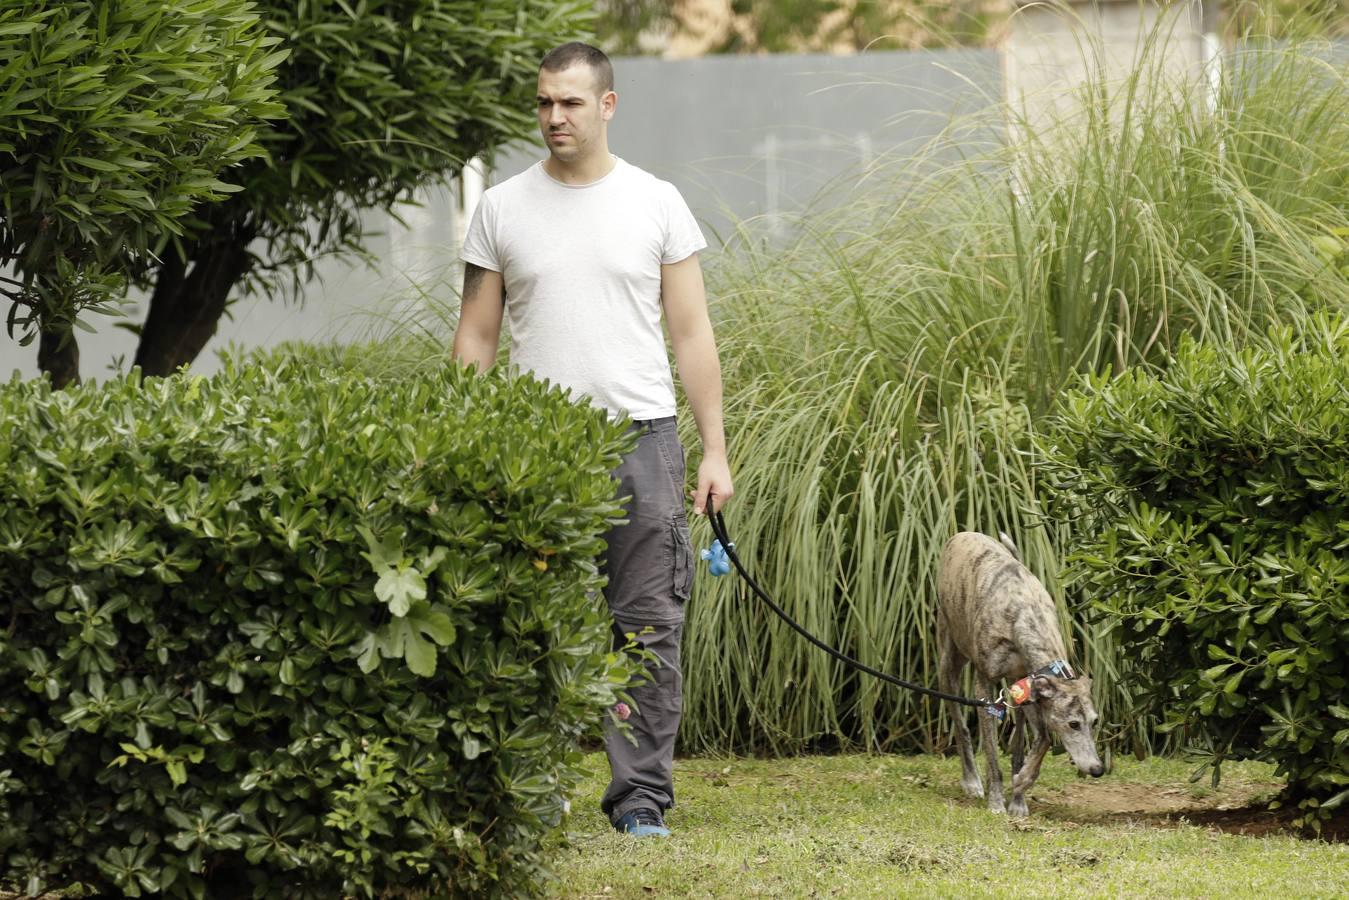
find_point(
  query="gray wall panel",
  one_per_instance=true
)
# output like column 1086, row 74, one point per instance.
column 745, row 136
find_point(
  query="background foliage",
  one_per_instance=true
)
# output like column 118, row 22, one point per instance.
column 1211, row 513
column 776, row 26
column 795, row 26
column 268, row 633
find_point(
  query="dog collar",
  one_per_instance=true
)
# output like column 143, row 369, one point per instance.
column 1020, row 691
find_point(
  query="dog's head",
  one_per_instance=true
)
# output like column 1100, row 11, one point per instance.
column 1067, row 711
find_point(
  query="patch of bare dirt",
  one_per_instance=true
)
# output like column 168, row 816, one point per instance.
column 1237, row 809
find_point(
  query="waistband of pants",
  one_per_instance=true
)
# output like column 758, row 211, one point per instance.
column 647, row 426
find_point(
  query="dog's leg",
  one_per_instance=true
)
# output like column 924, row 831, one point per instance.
column 1018, row 743
column 1023, row 779
column 949, row 665
column 988, row 737
column 1027, row 732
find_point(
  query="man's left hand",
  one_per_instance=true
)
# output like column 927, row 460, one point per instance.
column 714, row 482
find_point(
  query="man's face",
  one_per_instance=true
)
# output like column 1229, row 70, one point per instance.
column 572, row 112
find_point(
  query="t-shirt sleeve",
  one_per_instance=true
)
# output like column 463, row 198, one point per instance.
column 480, row 244
column 683, row 237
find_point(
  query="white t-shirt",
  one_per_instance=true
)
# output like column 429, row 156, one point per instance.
column 581, row 269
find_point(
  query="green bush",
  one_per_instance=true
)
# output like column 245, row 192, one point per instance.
column 1212, row 517
column 298, row 633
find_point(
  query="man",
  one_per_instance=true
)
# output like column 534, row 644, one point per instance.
column 585, row 252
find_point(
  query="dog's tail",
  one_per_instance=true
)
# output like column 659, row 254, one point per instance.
column 1010, row 545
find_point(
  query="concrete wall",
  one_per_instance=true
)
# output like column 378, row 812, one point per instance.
column 1054, row 45
column 767, row 136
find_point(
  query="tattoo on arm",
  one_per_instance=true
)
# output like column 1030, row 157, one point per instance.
column 473, row 276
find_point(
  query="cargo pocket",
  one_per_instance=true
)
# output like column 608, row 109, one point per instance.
column 683, row 557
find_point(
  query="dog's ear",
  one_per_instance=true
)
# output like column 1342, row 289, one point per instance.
column 1044, row 687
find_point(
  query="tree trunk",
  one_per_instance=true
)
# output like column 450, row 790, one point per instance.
column 58, row 354
column 186, row 305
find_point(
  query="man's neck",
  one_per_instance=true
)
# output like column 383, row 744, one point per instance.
column 586, row 171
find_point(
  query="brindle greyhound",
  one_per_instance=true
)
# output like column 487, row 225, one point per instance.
column 995, row 614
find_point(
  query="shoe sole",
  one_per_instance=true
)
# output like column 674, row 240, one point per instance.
column 647, row 831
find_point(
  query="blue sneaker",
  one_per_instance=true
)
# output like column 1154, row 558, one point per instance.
column 642, row 822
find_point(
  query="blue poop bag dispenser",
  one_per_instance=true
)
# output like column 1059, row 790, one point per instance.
column 717, row 561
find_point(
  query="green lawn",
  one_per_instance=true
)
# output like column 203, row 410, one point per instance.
column 886, row 826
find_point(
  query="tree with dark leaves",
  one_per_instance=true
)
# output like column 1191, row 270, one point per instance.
column 116, row 121
column 382, row 98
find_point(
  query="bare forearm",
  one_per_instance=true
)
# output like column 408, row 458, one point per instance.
column 479, row 329
column 700, row 375
column 474, row 350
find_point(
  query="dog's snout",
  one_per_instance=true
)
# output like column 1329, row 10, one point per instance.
column 1097, row 770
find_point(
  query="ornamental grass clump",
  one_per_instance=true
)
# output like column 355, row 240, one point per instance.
column 294, row 632
column 888, row 365
column 1211, row 515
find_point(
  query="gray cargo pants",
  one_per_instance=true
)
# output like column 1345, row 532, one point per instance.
column 649, row 563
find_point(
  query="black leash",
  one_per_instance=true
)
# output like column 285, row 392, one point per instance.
column 995, row 708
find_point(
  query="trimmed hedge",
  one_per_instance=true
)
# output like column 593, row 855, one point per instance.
column 298, row 633
column 1212, row 521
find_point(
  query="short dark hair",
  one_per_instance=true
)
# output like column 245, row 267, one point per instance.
column 574, row 52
